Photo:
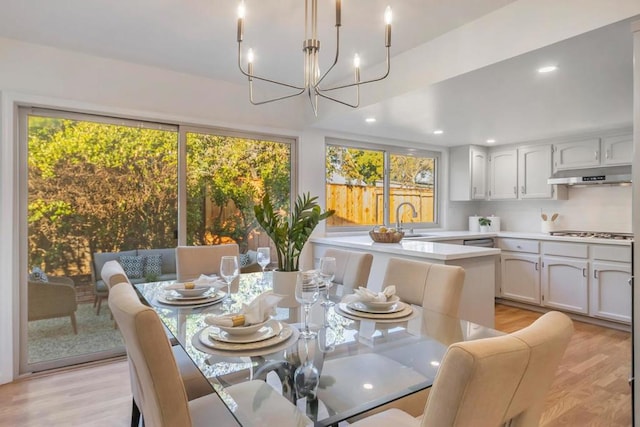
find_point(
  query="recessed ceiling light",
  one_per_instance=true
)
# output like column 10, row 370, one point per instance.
column 438, row 132
column 547, row 69
column 490, row 141
column 370, row 120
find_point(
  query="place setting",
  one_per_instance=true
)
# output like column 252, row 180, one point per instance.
column 383, row 307
column 249, row 332
column 205, row 290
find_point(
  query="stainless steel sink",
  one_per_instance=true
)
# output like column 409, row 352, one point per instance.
column 416, row 235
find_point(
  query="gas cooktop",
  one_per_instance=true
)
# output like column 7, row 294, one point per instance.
column 593, row 234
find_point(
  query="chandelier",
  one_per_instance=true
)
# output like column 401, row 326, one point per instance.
column 311, row 48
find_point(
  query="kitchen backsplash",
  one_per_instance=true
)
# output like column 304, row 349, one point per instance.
column 592, row 208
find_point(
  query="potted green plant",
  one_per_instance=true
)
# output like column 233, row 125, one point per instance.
column 485, row 223
column 289, row 232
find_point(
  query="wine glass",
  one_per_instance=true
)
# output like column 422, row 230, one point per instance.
column 327, row 273
column 229, row 271
column 307, row 295
column 263, row 257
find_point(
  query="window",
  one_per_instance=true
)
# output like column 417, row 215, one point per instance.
column 366, row 185
column 226, row 176
column 107, row 184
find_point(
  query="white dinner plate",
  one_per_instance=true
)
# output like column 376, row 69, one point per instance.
column 270, row 329
column 176, row 301
column 360, row 306
column 397, row 316
column 205, row 338
column 176, row 296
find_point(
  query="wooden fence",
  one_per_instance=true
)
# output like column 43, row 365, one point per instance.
column 359, row 205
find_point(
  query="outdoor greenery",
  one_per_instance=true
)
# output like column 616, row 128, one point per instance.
column 365, row 167
column 102, row 187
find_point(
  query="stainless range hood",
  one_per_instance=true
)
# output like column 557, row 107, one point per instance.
column 608, row 175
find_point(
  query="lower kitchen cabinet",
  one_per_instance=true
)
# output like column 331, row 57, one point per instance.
column 588, row 279
column 610, row 293
column 520, row 277
column 565, row 284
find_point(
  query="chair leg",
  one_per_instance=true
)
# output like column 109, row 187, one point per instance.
column 74, row 325
column 99, row 304
column 135, row 414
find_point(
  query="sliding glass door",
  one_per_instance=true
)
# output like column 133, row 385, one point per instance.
column 94, row 185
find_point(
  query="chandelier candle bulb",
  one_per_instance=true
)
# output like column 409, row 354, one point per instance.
column 388, row 16
column 338, row 13
column 241, row 12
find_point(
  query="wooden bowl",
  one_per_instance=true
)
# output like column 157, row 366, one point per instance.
column 392, row 237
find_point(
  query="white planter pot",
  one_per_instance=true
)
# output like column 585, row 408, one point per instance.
column 485, row 228
column 284, row 283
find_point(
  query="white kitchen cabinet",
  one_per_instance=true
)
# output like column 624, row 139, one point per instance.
column 503, row 174
column 564, row 284
column 618, row 149
column 610, row 293
column 520, row 275
column 467, row 173
column 534, row 168
column 519, row 270
column 578, row 154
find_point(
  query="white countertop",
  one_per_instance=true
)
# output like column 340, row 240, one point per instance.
column 411, row 247
column 427, row 246
column 456, row 235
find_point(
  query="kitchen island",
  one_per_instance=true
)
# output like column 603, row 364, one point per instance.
column 477, row 303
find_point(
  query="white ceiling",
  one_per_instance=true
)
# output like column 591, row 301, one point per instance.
column 507, row 101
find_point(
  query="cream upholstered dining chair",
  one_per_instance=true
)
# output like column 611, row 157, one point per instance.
column 196, row 385
column 436, row 287
column 492, row 381
column 352, row 268
column 160, row 392
column 192, row 261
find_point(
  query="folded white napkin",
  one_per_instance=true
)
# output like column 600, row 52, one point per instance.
column 366, row 295
column 202, row 282
column 257, row 311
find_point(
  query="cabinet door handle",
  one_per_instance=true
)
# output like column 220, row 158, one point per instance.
column 474, row 191
column 584, row 272
column 595, row 274
column 595, row 155
column 630, row 281
column 607, row 154
column 536, row 266
column 522, row 190
column 515, row 190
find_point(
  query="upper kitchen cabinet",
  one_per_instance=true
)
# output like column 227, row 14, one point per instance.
column 576, row 154
column 534, row 168
column 522, row 173
column 608, row 150
column 467, row 173
column 503, row 174
column 618, row 149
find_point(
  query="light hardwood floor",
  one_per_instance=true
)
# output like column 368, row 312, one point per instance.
column 591, row 386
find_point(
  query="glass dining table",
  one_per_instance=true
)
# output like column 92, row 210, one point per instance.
column 356, row 362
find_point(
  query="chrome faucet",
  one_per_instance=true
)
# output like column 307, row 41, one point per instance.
column 398, row 221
